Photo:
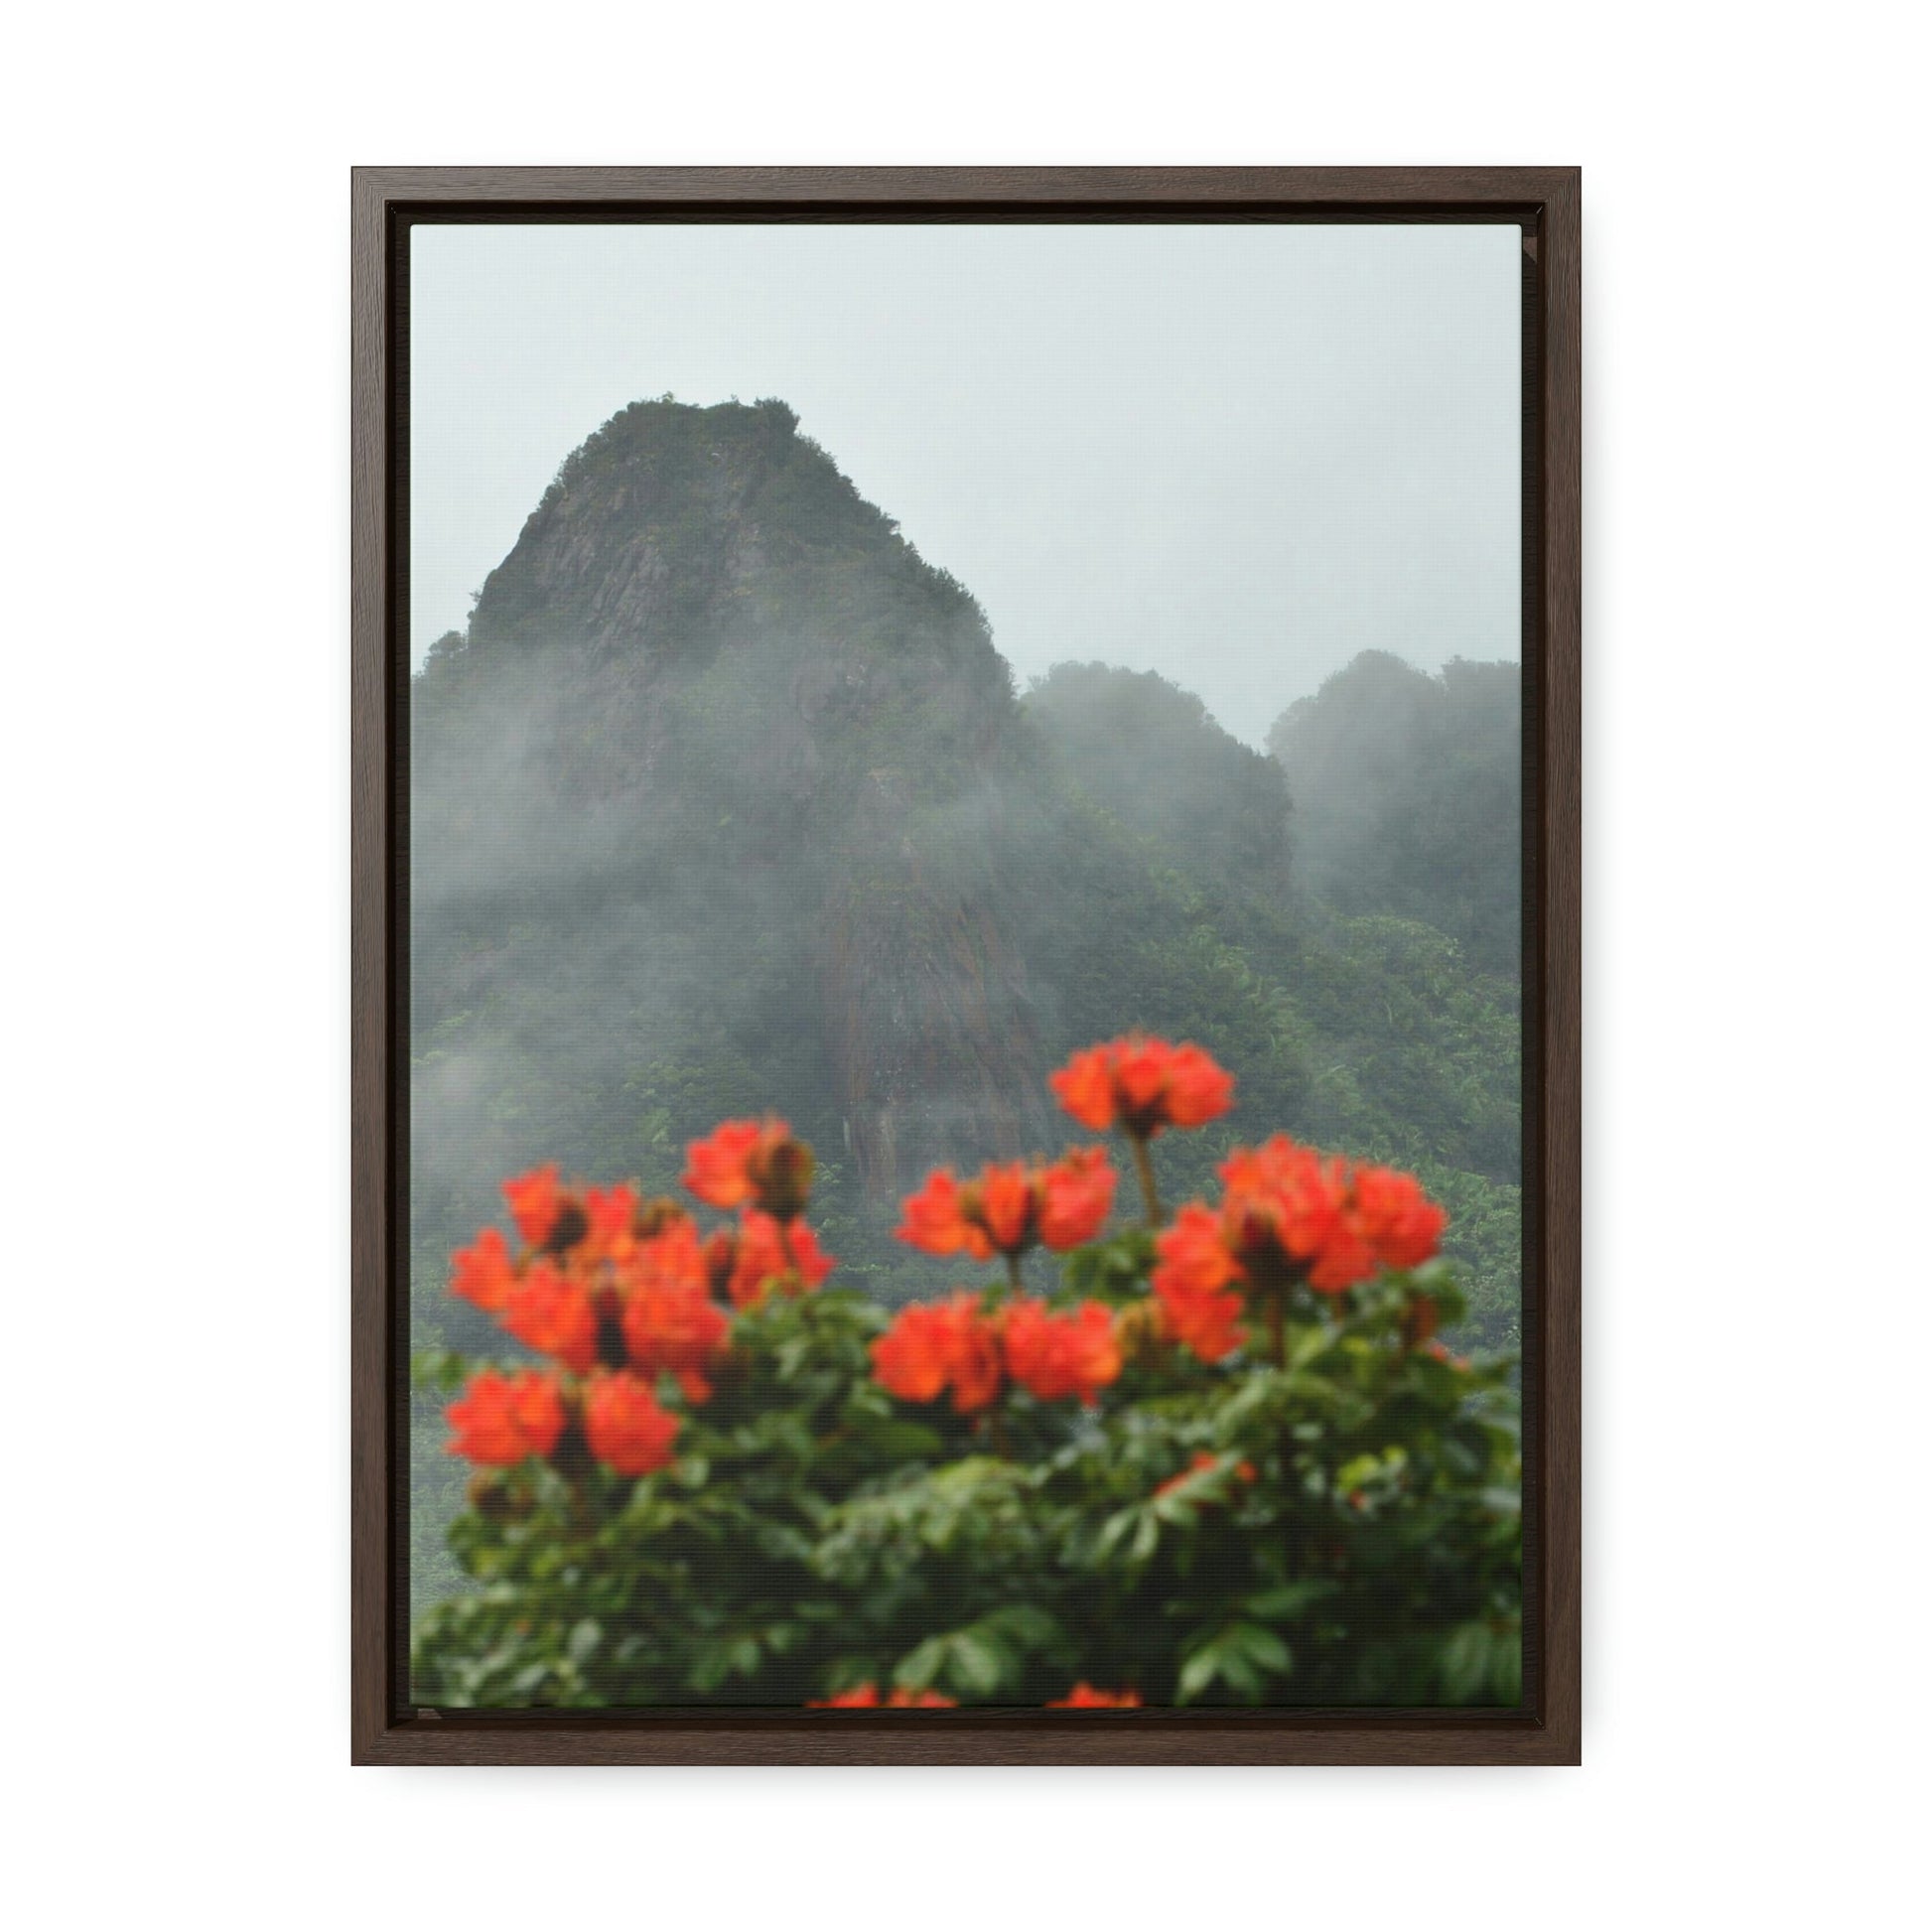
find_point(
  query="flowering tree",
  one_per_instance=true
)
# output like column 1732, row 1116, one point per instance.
column 1226, row 1459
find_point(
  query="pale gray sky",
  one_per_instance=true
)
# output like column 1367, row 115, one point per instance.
column 1234, row 455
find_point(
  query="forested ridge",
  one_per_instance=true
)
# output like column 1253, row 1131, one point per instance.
column 725, row 801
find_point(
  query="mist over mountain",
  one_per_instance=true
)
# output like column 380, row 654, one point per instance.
column 1150, row 755
column 1409, row 797
column 724, row 801
column 708, row 803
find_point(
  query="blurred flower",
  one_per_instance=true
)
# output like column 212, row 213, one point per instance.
column 1287, row 1213
column 999, row 1210
column 1395, row 1217
column 1145, row 1084
column 1281, row 1205
column 1190, row 1284
column 1074, row 1197
column 553, row 1316
column 1207, row 1325
column 503, row 1419
column 1083, row 1697
column 609, row 1215
column 933, row 1347
column 626, row 1426
column 1052, row 1356
column 484, row 1273
column 1194, row 1257
column 671, row 1326
column 865, row 1697
column 764, row 1255
column 535, row 1199
column 935, row 1217
column 1012, row 1206
column 1202, row 1459
column 750, row 1160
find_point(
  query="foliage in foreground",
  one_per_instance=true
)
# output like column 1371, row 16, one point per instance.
column 1227, row 1461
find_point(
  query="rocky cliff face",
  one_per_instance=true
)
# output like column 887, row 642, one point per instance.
column 706, row 804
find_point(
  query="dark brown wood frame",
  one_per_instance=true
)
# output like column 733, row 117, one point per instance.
column 1545, row 203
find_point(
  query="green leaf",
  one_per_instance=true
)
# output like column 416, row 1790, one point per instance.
column 1466, row 1661
column 1198, row 1673
column 1259, row 1645
column 1289, row 1601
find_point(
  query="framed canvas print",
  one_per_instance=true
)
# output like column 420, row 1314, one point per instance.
column 966, row 966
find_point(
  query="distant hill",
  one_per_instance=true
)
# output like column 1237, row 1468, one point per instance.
column 1149, row 753
column 1408, row 797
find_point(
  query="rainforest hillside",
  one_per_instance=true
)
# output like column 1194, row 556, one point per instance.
column 1408, row 797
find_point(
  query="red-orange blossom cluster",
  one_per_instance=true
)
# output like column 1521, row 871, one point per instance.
column 973, row 1350
column 1288, row 1214
column 621, row 1292
column 1009, row 1208
column 1143, row 1086
column 865, row 1697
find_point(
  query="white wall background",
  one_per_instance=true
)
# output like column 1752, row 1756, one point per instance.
column 175, row 823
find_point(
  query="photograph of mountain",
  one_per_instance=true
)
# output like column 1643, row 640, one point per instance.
column 1057, row 881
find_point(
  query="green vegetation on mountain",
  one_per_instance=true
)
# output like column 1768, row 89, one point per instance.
column 1408, row 797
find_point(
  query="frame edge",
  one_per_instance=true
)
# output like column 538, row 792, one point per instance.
column 378, row 1736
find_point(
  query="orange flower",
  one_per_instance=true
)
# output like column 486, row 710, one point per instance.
column 1190, row 1284
column 1204, row 1460
column 483, row 1272
column 750, row 1160
column 1011, row 1208
column 931, row 1346
column 553, row 1316
column 1193, row 1258
column 535, row 1200
column 1057, row 1355
column 611, row 1216
column 865, row 1697
column 1280, row 1200
column 671, row 1326
column 935, row 1217
column 1395, row 1217
column 911, row 1359
column 1002, row 1212
column 1075, row 1195
column 1145, row 1084
column 1083, row 1697
column 811, row 1261
column 1207, row 1325
column 1289, row 1214
column 861, row 1697
column 763, row 1256
column 626, row 1426
column 503, row 1419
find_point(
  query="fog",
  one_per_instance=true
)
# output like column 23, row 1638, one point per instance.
column 1237, row 456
